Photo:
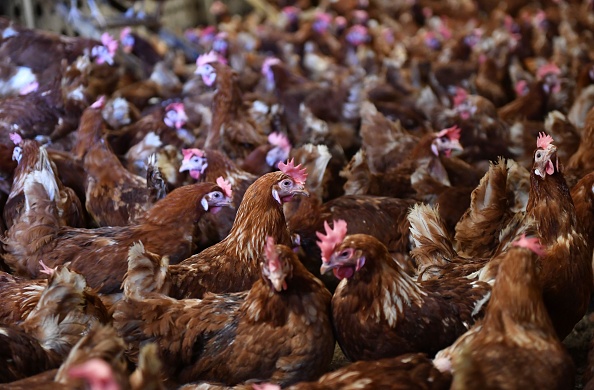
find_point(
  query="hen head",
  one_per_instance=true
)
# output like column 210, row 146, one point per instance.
column 358, row 35
column 446, row 141
column 217, row 199
column 280, row 150
column 549, row 75
column 194, row 161
column 344, row 260
column 545, row 159
column 276, row 267
column 105, row 53
column 205, row 67
column 127, row 39
column 175, row 115
column 292, row 183
column 322, row 22
column 97, row 373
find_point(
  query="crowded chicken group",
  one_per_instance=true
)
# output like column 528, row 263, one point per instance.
column 354, row 194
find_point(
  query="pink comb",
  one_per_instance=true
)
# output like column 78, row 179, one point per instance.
column 521, row 87
column 109, row 42
column 16, row 138
column 452, row 133
column 207, row 58
column 179, row 107
column 546, row 69
column 271, row 255
column 299, row 175
column 225, row 185
column 279, row 139
column 332, row 238
column 531, row 243
column 543, row 141
column 188, row 153
column 99, row 103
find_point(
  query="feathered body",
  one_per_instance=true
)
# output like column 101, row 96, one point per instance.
column 380, row 311
column 232, row 264
column 279, row 330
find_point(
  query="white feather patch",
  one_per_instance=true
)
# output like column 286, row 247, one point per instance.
column 204, row 204
column 276, row 196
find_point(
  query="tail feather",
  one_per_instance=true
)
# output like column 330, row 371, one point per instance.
column 431, row 242
column 58, row 320
column 101, row 342
column 476, row 232
column 147, row 375
column 357, row 174
column 147, row 273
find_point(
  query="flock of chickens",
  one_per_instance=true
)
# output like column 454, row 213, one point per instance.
column 411, row 182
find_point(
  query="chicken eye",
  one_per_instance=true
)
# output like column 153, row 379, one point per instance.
column 217, row 195
column 538, row 154
column 194, row 159
column 286, row 183
column 345, row 253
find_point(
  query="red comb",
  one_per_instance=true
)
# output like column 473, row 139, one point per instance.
column 187, row 153
column 271, row 255
column 543, row 140
column 225, row 185
column 298, row 174
column 15, row 138
column 332, row 238
column 546, row 69
column 452, row 133
column 279, row 139
column 175, row 106
column 531, row 243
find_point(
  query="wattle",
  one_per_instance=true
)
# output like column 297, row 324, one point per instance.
column 343, row 272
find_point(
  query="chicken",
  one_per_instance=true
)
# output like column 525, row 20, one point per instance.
column 279, row 330
column 31, row 157
column 232, row 264
column 410, row 371
column 566, row 269
column 168, row 229
column 232, row 130
column 114, row 196
column 533, row 105
column 376, row 307
column 515, row 333
column 421, row 169
column 51, row 329
column 265, row 158
column 206, row 165
column 97, row 361
column 579, row 163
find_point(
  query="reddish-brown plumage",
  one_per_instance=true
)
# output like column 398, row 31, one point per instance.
column 232, row 130
column 566, row 273
column 99, row 254
column 410, row 371
column 232, row 264
column 380, row 311
column 516, row 333
column 35, row 159
column 284, row 336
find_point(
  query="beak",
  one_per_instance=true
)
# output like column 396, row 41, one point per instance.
column 326, row 267
column 300, row 190
column 185, row 166
column 278, row 284
column 227, row 202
